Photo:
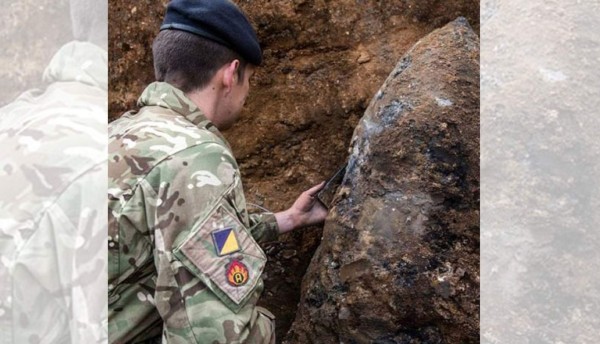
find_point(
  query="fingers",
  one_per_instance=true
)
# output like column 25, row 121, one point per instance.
column 307, row 208
column 315, row 189
column 307, row 199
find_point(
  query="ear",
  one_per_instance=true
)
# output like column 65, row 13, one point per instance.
column 230, row 75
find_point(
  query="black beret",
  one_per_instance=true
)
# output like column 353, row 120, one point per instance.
column 218, row 20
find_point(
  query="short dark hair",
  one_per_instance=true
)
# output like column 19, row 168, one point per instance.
column 188, row 61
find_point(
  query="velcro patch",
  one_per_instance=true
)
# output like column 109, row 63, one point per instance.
column 225, row 241
column 214, row 247
column 237, row 273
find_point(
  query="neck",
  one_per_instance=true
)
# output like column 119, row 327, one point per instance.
column 206, row 100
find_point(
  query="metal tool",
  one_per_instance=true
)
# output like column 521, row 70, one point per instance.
column 325, row 196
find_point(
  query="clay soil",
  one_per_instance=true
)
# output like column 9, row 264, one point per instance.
column 323, row 61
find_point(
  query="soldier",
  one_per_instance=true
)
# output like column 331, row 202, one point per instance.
column 53, row 174
column 184, row 259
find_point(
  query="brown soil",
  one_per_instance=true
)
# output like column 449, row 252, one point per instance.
column 323, row 61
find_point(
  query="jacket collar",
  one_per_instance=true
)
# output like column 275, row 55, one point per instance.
column 166, row 96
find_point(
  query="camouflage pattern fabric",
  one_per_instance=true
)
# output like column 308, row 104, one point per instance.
column 53, row 255
column 184, row 260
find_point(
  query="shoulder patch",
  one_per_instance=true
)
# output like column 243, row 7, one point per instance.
column 237, row 273
column 222, row 253
column 225, row 241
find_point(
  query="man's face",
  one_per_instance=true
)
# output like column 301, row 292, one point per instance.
column 237, row 98
column 243, row 88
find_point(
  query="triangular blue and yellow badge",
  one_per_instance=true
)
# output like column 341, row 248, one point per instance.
column 225, row 241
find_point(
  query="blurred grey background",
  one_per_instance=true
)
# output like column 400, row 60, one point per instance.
column 539, row 171
column 32, row 31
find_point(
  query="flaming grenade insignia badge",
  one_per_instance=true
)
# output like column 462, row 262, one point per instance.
column 237, row 273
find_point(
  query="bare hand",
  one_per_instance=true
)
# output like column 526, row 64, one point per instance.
column 306, row 211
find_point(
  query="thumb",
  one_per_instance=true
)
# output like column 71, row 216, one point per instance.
column 312, row 192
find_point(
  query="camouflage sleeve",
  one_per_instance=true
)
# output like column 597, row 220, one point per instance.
column 264, row 227
column 208, row 263
column 62, row 263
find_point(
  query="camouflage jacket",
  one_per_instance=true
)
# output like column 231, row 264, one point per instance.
column 183, row 252
column 52, row 223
